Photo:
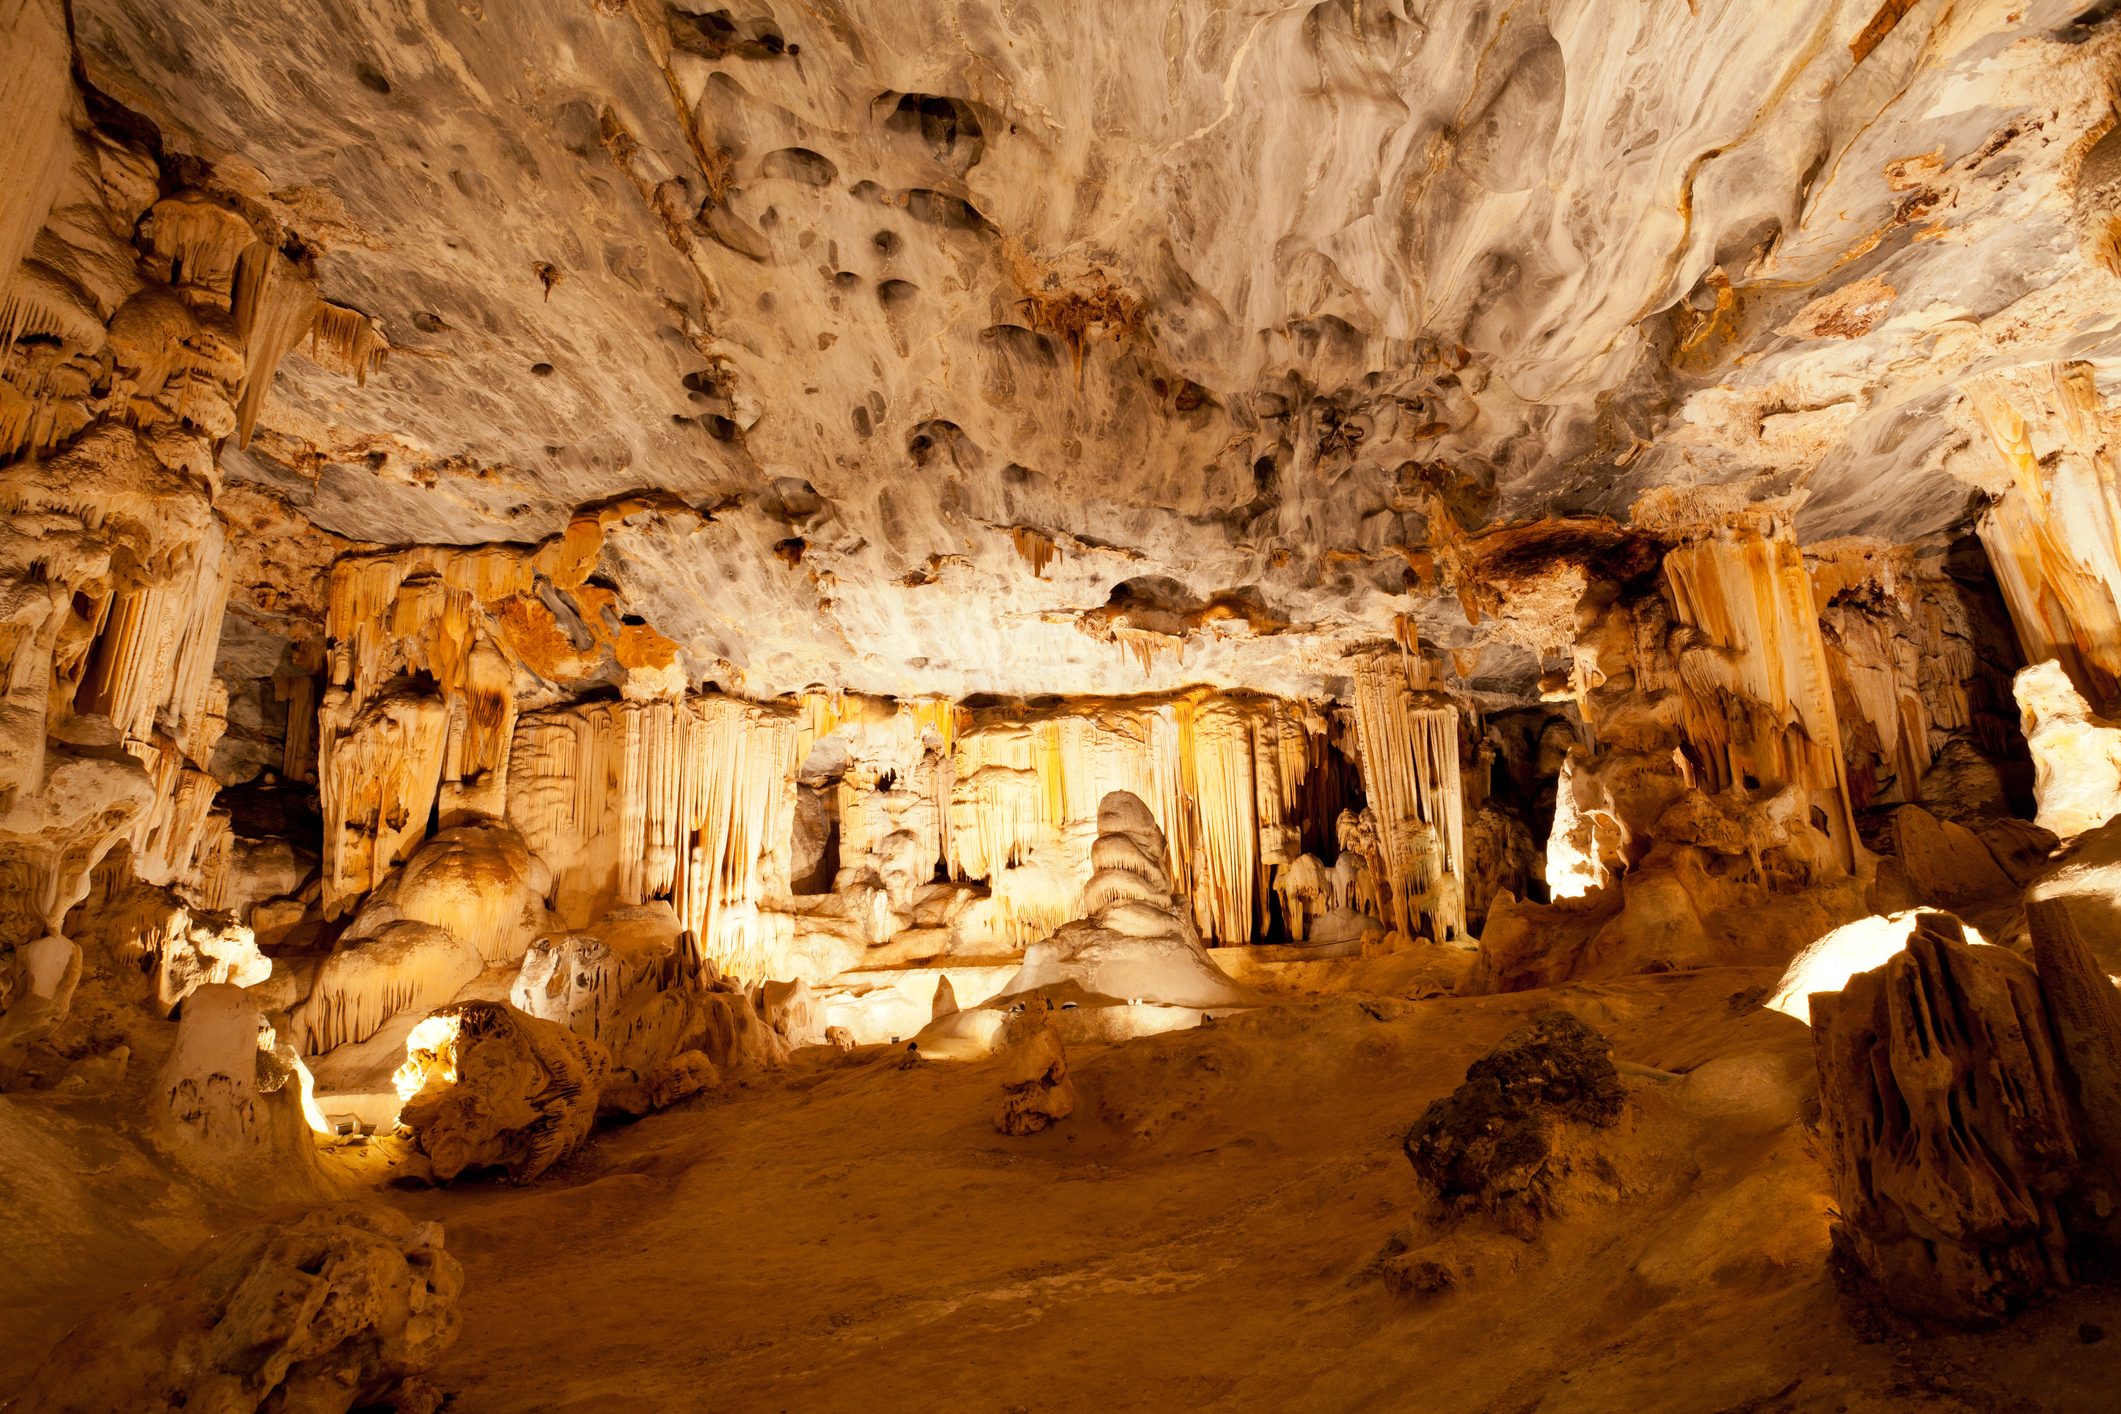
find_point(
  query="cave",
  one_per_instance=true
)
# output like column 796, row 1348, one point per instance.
column 1364, row 705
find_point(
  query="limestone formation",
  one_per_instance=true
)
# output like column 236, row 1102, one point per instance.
column 2076, row 753
column 1964, row 1097
column 1491, row 1146
column 625, row 986
column 337, row 1309
column 232, row 1094
column 627, row 553
column 392, row 967
column 1134, row 943
column 1036, row 1091
column 1519, row 1143
column 487, row 1086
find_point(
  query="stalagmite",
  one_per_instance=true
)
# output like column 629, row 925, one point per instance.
column 1133, row 942
column 1036, row 1091
column 1957, row 1085
column 625, row 985
column 232, row 1094
column 1218, row 772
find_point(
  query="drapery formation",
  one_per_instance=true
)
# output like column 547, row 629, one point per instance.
column 689, row 801
column 1408, row 744
column 1756, row 693
column 1224, row 774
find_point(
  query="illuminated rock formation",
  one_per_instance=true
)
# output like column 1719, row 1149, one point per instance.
column 1756, row 689
column 2076, row 754
column 1218, row 773
column 1134, row 942
column 380, row 969
column 233, row 1095
column 626, row 985
column 486, row 1086
column 333, row 1310
column 980, row 524
column 1965, row 1101
column 1409, row 754
column 690, row 801
column 1036, row 1091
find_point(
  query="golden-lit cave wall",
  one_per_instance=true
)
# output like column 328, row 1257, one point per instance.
column 2053, row 533
column 1238, row 783
column 141, row 322
column 1842, row 669
column 692, row 800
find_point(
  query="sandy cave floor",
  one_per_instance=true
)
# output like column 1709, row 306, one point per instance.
column 1199, row 1235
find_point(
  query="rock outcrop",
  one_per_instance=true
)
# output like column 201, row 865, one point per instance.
column 1495, row 1145
column 339, row 1309
column 1966, row 1097
column 1518, row 1143
column 626, row 986
column 1036, row 1091
column 486, row 1086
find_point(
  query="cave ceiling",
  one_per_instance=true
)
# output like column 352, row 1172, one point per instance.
column 969, row 346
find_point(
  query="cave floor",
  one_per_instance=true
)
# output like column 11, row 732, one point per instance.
column 1202, row 1234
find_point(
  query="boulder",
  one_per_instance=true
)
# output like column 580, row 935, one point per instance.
column 331, row 1311
column 1491, row 1145
column 1036, row 1091
column 2076, row 754
column 487, row 1086
column 1966, row 1102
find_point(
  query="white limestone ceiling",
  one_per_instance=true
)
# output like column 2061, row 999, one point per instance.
column 808, row 267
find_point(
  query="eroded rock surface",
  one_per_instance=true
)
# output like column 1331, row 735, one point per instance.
column 334, row 1310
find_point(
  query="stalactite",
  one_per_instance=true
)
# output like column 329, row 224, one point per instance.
column 1036, row 548
column 377, row 778
column 1756, row 690
column 687, row 801
column 193, row 243
column 1900, row 641
column 2054, row 538
column 346, row 341
column 1409, row 750
column 1219, row 772
column 407, row 966
column 274, row 304
column 464, row 620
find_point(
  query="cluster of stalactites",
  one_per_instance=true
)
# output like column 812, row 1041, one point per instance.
column 691, row 801
column 419, row 710
column 1223, row 776
column 428, row 653
column 2054, row 537
column 1900, row 647
column 1756, row 690
column 1407, row 740
column 139, row 329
